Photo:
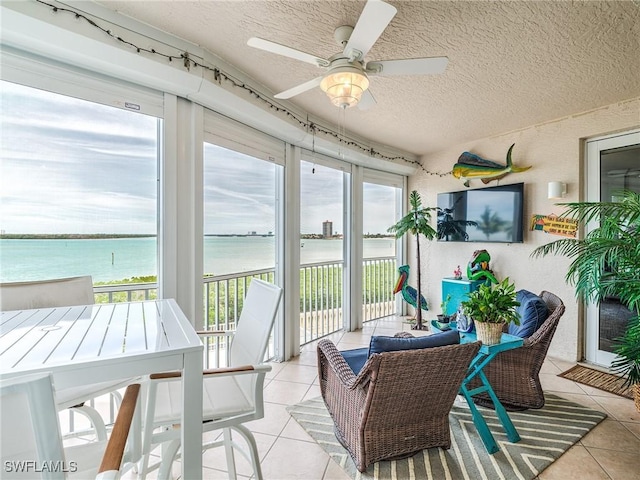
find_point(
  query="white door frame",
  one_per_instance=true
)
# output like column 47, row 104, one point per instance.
column 594, row 147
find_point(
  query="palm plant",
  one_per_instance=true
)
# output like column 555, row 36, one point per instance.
column 416, row 222
column 606, row 263
column 490, row 222
column 450, row 228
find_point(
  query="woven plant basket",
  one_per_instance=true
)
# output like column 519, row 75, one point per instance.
column 489, row 333
column 636, row 395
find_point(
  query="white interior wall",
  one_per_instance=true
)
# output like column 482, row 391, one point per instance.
column 555, row 152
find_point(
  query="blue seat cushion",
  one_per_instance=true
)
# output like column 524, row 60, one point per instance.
column 533, row 312
column 356, row 358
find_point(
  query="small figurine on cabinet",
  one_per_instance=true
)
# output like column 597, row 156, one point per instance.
column 457, row 273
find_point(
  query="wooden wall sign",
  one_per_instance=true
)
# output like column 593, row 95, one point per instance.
column 565, row 227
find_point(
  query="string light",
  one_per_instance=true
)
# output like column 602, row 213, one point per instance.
column 220, row 76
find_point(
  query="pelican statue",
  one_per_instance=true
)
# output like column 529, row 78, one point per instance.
column 409, row 293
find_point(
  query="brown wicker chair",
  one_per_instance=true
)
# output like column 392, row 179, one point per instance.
column 514, row 374
column 398, row 404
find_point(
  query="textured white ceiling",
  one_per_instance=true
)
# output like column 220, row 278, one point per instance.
column 512, row 64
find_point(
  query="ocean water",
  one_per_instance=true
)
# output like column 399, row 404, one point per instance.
column 122, row 258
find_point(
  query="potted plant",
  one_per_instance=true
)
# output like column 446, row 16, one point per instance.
column 627, row 363
column 443, row 318
column 491, row 307
column 416, row 222
column 606, row 263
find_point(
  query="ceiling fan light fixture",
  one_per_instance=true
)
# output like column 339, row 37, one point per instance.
column 344, row 86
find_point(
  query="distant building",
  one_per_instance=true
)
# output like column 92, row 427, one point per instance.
column 327, row 229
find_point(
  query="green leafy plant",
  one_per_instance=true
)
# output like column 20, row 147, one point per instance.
column 444, row 304
column 416, row 223
column 493, row 304
column 606, row 263
column 628, row 361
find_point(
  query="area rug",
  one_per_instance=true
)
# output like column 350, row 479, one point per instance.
column 598, row 379
column 545, row 435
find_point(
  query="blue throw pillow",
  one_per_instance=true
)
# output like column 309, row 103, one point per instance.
column 380, row 344
column 357, row 357
column 533, row 312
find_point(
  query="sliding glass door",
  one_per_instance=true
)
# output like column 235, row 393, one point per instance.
column 613, row 164
column 382, row 204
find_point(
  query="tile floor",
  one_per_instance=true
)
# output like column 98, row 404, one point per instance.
column 610, row 451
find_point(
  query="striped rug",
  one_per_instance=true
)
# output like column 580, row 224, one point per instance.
column 545, row 435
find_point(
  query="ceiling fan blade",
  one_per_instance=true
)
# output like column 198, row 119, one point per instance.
column 303, row 87
column 285, row 51
column 374, row 18
column 366, row 101
column 624, row 172
column 411, row 66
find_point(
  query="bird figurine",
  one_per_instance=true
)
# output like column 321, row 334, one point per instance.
column 409, row 293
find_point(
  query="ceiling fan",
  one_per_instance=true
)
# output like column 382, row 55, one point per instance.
column 346, row 81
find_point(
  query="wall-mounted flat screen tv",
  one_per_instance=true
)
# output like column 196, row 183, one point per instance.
column 492, row 214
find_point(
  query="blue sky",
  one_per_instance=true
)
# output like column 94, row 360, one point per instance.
column 71, row 166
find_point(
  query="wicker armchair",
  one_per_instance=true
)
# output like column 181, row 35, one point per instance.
column 514, row 374
column 398, row 404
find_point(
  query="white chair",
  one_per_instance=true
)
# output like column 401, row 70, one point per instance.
column 231, row 395
column 31, row 445
column 63, row 292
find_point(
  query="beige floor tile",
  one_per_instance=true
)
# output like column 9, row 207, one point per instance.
column 553, row 383
column 307, row 357
column 335, row 472
column 294, row 459
column 596, row 392
column 582, row 399
column 622, row 409
column 212, row 474
column 274, row 421
column 287, row 393
column 215, row 458
column 602, row 435
column 563, row 365
column 576, row 463
column 298, row 373
column 356, row 337
column 633, row 427
column 350, row 345
column 275, row 369
column 313, row 392
column 294, row 431
column 619, row 465
column 387, row 331
column 549, row 367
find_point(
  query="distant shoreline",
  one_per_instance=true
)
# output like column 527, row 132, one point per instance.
column 72, row 236
column 89, row 236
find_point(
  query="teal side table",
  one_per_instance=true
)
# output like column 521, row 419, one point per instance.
column 458, row 289
column 484, row 356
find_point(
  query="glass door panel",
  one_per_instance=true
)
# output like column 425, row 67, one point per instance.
column 613, row 165
column 321, row 250
column 78, row 193
column 380, row 211
column 240, row 219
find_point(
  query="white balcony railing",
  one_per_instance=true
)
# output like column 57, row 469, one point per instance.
column 320, row 295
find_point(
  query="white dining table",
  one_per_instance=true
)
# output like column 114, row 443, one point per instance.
column 88, row 344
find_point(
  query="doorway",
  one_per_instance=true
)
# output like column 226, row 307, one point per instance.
column 613, row 164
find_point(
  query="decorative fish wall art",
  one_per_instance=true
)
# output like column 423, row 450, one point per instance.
column 471, row 166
